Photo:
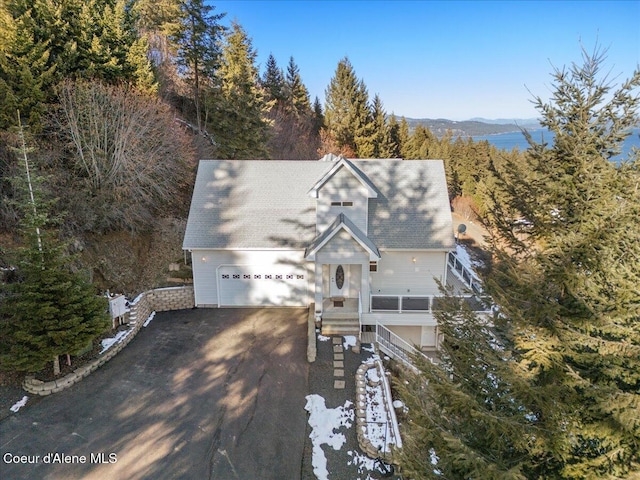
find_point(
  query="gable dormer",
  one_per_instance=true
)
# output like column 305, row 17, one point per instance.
column 343, row 190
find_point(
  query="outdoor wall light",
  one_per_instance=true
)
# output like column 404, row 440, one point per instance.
column 413, row 259
column 204, row 259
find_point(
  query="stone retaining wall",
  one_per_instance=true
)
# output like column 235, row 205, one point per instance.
column 361, row 413
column 159, row 300
column 171, row 298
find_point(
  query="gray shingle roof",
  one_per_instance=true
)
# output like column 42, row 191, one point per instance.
column 265, row 204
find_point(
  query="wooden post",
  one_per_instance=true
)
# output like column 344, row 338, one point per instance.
column 56, row 365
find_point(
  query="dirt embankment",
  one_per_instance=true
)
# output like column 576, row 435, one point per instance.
column 129, row 264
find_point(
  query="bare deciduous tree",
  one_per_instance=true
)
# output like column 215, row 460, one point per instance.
column 125, row 150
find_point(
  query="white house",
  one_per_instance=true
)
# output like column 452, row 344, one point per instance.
column 363, row 240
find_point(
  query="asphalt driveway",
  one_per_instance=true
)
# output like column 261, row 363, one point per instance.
column 198, row 394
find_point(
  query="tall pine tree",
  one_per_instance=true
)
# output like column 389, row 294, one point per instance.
column 552, row 388
column 570, row 287
column 297, row 93
column 348, row 122
column 52, row 310
column 197, row 37
column 472, row 415
column 240, row 126
column 273, row 82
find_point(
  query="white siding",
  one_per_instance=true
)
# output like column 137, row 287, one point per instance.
column 398, row 274
column 429, row 337
column 206, row 264
column 420, row 329
column 411, row 335
column 342, row 248
column 342, row 187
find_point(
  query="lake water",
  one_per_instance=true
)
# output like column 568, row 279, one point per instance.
column 508, row 141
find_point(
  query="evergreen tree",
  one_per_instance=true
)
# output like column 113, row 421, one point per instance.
column 421, row 144
column 364, row 129
column 379, row 117
column 571, row 288
column 472, row 415
column 294, row 130
column 273, row 82
column 52, row 310
column 552, row 388
column 403, row 135
column 390, row 146
column 25, row 70
column 198, row 50
column 296, row 92
column 348, row 120
column 241, row 126
column 318, row 116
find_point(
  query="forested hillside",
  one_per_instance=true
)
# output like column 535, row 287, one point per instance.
column 119, row 99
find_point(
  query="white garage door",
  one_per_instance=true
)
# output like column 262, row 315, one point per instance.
column 249, row 285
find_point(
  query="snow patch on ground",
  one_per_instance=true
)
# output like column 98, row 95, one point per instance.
column 323, row 338
column 378, row 428
column 349, row 341
column 18, row 405
column 362, row 463
column 148, row 320
column 368, row 348
column 137, row 299
column 324, row 422
column 107, row 343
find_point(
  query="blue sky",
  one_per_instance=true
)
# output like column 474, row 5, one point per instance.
column 436, row 59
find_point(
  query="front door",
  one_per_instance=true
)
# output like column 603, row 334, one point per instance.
column 339, row 281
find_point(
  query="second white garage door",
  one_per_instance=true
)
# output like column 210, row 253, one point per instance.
column 253, row 285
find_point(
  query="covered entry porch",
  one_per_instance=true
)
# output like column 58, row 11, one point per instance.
column 339, row 297
column 341, row 255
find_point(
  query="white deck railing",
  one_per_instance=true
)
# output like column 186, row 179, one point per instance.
column 394, row 346
column 418, row 303
column 466, row 276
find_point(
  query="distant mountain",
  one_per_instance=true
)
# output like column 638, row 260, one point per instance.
column 473, row 127
column 526, row 122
